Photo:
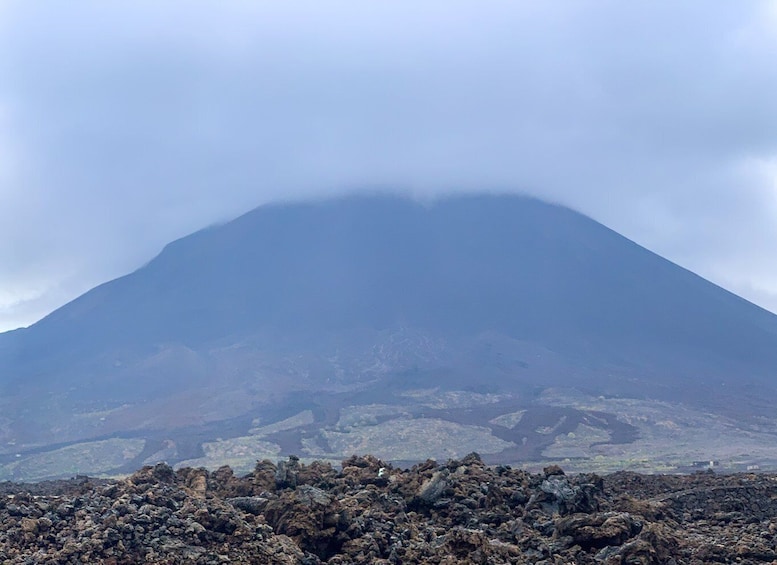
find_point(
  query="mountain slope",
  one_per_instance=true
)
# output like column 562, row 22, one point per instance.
column 493, row 293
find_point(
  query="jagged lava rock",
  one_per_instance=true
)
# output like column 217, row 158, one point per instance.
column 462, row 511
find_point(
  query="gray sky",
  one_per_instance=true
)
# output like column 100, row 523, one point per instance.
column 124, row 125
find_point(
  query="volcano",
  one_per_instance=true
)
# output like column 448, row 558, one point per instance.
column 309, row 328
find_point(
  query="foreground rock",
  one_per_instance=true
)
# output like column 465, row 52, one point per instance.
column 368, row 512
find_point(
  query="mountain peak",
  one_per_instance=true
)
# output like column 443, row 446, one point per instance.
column 295, row 305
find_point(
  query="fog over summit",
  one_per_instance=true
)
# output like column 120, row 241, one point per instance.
column 126, row 126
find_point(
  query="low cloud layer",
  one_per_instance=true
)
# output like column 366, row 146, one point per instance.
column 123, row 126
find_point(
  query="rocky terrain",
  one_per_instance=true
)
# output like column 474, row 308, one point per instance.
column 462, row 511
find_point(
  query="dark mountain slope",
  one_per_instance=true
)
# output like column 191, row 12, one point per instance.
column 459, row 267
column 370, row 297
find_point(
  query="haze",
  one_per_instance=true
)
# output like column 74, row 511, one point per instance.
column 124, row 126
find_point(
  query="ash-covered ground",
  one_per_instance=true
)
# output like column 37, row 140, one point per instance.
column 462, row 511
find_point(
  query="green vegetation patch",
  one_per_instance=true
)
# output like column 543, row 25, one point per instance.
column 91, row 458
column 367, row 415
column 577, row 443
column 434, row 398
column 304, row 418
column 408, row 439
column 508, row 420
column 671, row 436
column 548, row 430
column 240, row 453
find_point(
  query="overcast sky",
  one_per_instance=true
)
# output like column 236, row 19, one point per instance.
column 124, row 125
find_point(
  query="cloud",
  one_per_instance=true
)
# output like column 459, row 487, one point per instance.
column 129, row 124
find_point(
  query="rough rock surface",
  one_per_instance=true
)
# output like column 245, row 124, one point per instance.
column 369, row 512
